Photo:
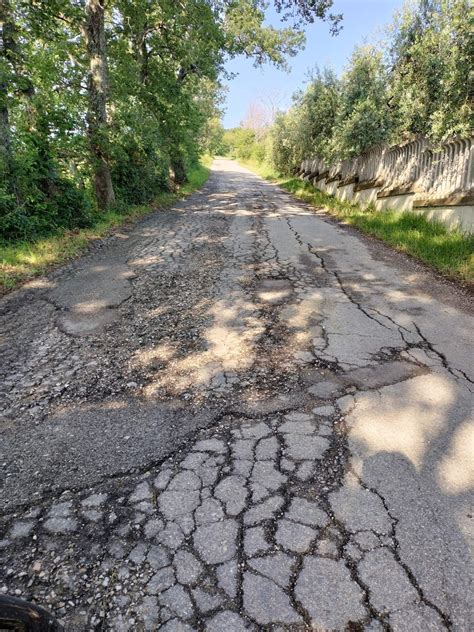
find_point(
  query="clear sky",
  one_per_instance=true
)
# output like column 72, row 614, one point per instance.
column 363, row 22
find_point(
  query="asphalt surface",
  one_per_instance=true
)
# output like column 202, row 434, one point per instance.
column 238, row 414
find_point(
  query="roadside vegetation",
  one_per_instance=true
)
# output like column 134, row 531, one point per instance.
column 107, row 105
column 416, row 82
column 21, row 260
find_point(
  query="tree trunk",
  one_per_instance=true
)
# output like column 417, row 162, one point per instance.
column 98, row 92
column 5, row 132
column 6, row 157
column 179, row 170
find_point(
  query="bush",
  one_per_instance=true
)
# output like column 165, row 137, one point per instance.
column 39, row 214
column 138, row 174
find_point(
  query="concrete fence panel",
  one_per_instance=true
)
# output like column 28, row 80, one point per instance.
column 414, row 176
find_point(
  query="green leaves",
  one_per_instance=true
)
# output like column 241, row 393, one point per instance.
column 431, row 54
column 420, row 82
column 246, row 33
column 364, row 118
column 104, row 97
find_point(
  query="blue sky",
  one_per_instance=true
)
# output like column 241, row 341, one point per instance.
column 363, row 22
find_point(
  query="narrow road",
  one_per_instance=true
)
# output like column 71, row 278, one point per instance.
column 238, row 415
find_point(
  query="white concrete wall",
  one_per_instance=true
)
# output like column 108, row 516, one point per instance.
column 321, row 185
column 395, row 202
column 438, row 183
column 345, row 193
column 331, row 187
column 460, row 217
column 366, row 196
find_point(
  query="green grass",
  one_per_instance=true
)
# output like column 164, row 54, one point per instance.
column 24, row 260
column 450, row 252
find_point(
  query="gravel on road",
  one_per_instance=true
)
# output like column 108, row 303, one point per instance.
column 238, row 415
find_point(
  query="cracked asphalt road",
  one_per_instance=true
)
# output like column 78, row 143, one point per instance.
column 238, row 415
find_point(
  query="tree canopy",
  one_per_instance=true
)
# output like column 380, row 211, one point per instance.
column 106, row 102
column 419, row 82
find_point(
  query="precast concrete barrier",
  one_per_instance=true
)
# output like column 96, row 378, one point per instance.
column 437, row 182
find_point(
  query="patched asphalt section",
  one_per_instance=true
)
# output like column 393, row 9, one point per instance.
column 88, row 301
column 237, row 414
column 81, row 447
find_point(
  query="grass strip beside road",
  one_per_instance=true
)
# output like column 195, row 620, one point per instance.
column 23, row 260
column 450, row 252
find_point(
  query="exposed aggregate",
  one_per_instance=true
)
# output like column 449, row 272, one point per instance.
column 259, row 522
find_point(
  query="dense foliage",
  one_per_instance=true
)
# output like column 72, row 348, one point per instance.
column 419, row 82
column 107, row 102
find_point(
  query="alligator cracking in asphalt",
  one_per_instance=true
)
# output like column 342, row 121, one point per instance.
column 258, row 441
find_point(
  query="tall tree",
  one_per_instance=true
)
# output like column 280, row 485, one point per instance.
column 431, row 49
column 104, row 99
column 6, row 27
column 364, row 118
column 94, row 32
